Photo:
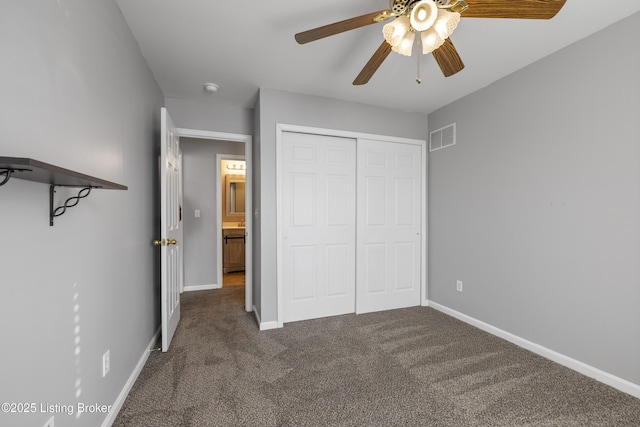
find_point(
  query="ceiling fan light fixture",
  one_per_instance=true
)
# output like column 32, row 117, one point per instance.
column 396, row 30
column 446, row 23
column 430, row 40
column 406, row 45
column 423, row 15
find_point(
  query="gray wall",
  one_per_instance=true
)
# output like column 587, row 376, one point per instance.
column 76, row 93
column 296, row 109
column 211, row 117
column 200, row 192
column 536, row 208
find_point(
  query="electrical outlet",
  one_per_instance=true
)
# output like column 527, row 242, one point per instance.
column 50, row 423
column 196, row 213
column 106, row 363
column 459, row 285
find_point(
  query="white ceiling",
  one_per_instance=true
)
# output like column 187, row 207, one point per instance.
column 246, row 46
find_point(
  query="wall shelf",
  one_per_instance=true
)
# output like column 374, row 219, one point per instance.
column 55, row 176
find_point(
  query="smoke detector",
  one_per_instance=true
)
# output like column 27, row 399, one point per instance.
column 211, row 87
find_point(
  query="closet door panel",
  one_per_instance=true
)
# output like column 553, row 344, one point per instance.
column 318, row 225
column 389, row 225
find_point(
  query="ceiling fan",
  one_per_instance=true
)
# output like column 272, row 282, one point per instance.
column 433, row 21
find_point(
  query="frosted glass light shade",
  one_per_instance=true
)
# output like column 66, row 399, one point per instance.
column 423, row 15
column 406, row 45
column 446, row 22
column 430, row 40
column 395, row 30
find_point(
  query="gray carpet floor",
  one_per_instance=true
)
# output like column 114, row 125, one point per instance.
column 409, row 367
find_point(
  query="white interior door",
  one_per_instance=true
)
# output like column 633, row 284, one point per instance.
column 389, row 225
column 171, row 231
column 318, row 225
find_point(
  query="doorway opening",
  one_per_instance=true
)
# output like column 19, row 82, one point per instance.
column 232, row 214
column 202, row 212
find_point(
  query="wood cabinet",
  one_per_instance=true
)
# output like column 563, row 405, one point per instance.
column 233, row 250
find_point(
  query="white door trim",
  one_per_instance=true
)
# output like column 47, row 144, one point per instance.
column 282, row 127
column 247, row 140
column 425, row 226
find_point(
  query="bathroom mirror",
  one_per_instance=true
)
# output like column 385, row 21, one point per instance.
column 235, row 195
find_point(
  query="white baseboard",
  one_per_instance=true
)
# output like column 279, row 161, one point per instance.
column 117, row 405
column 588, row 370
column 201, row 288
column 264, row 326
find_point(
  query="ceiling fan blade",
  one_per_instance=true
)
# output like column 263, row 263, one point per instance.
column 374, row 63
column 523, row 9
column 342, row 26
column 448, row 59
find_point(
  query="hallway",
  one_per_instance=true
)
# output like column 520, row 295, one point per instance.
column 235, row 278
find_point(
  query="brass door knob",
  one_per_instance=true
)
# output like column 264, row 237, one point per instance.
column 165, row 242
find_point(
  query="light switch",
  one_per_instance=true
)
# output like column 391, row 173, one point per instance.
column 197, row 213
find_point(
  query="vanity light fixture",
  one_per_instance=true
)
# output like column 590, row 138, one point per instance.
column 240, row 166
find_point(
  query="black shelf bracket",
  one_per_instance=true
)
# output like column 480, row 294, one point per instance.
column 8, row 173
column 55, row 176
column 69, row 203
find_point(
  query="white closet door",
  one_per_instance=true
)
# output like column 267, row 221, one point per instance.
column 318, row 187
column 389, row 225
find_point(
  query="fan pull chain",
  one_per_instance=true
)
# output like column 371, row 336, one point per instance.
column 418, row 80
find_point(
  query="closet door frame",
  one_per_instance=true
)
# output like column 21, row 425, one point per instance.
column 280, row 128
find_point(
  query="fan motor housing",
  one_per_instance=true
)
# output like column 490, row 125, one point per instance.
column 399, row 7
